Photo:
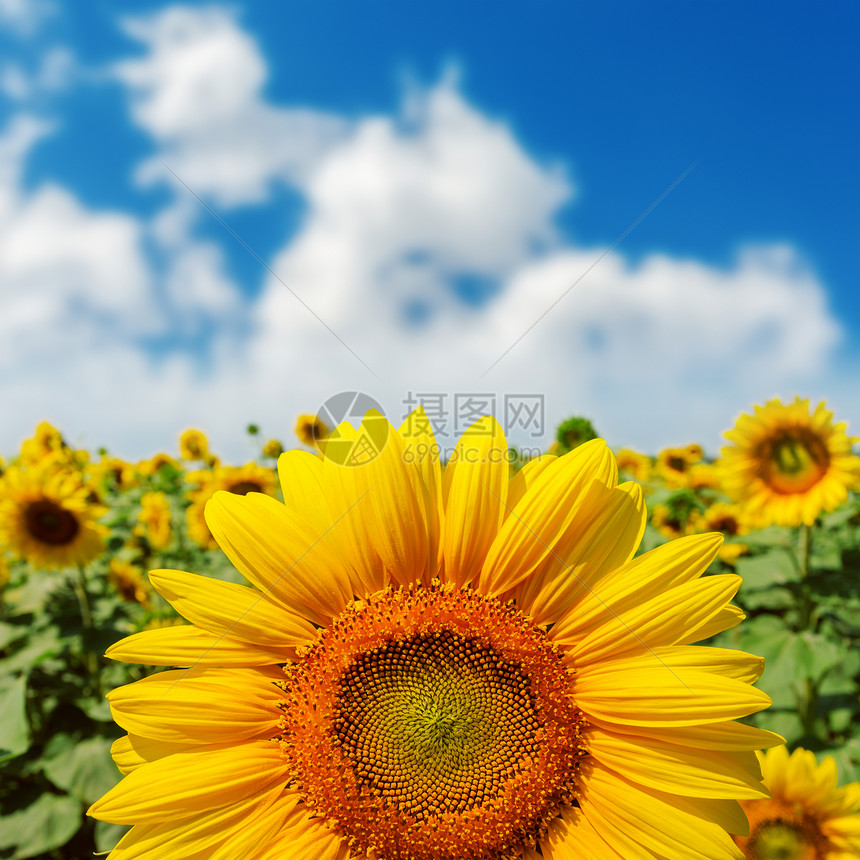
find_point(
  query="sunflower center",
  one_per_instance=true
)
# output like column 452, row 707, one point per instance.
column 795, row 461
column 429, row 723
column 780, row 840
column 51, row 523
column 242, row 488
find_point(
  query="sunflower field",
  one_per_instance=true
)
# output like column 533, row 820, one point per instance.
column 81, row 531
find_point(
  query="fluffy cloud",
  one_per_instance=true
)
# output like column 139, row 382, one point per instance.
column 198, row 92
column 429, row 247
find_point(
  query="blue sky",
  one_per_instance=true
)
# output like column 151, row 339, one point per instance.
column 429, row 179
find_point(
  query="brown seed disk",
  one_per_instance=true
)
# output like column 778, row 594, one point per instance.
column 430, row 723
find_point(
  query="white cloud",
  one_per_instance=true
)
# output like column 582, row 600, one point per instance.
column 400, row 209
column 25, row 16
column 198, row 92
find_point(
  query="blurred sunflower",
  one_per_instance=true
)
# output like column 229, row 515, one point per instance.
column 725, row 518
column 47, row 440
column 674, row 464
column 807, row 817
column 113, row 473
column 239, row 480
column 48, row 517
column 193, row 445
column 156, row 463
column 637, row 466
column 129, row 582
column 788, row 464
column 440, row 667
column 273, row 448
column 154, row 520
column 311, row 430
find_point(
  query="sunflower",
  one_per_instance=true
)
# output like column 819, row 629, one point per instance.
column 440, row 667
column 193, row 445
column 788, row 464
column 632, row 463
column 113, row 473
column 807, row 817
column 725, row 518
column 154, row 520
column 47, row 517
column 129, row 582
column 311, row 430
column 673, row 464
column 156, row 463
column 273, row 448
column 47, row 440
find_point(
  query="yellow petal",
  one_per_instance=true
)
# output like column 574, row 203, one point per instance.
column 663, row 620
column 304, row 837
column 572, row 837
column 226, row 609
column 391, row 508
column 189, row 646
column 728, row 617
column 647, row 576
column 544, row 516
column 666, row 697
column 726, row 736
column 199, row 706
column 420, row 448
column 639, row 825
column 475, row 488
column 602, row 539
column 131, row 751
column 524, row 479
column 281, row 553
column 207, row 834
column 303, row 487
column 677, row 769
column 187, row 783
column 723, row 661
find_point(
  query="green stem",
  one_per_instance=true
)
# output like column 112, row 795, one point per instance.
column 804, row 550
column 90, row 657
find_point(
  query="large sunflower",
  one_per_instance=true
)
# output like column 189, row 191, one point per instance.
column 788, row 464
column 48, row 518
column 808, row 816
column 440, row 667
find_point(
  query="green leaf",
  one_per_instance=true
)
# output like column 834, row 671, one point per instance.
column 43, row 826
column 14, row 730
column 83, row 768
column 762, row 571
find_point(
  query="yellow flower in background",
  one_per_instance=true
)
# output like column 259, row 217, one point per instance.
column 154, row 464
column 433, row 665
column 311, row 430
column 114, row 472
column 808, row 816
column 48, row 518
column 704, row 476
column 273, row 448
column 730, row 553
column 193, row 445
column 786, row 464
column 637, row 466
column 45, row 441
column 239, row 480
column 154, row 520
column 725, row 518
column 198, row 531
column 130, row 582
column 673, row 464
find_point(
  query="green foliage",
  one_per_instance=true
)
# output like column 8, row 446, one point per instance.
column 573, row 432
